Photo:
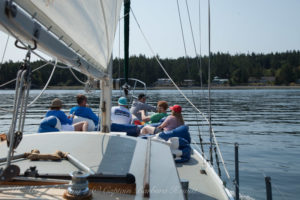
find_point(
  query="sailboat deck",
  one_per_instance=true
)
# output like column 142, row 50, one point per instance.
column 103, row 153
column 203, row 181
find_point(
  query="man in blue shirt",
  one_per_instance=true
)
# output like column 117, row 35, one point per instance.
column 66, row 123
column 82, row 111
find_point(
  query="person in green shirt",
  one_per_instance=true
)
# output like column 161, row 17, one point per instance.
column 162, row 107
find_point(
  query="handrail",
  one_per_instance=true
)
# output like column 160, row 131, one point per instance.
column 136, row 81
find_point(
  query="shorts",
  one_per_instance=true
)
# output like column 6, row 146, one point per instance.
column 157, row 130
column 67, row 127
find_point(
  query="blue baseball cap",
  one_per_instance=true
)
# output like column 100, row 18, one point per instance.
column 122, row 101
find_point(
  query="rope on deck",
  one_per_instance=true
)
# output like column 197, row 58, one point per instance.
column 36, row 155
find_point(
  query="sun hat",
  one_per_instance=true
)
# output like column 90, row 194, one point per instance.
column 122, row 101
column 56, row 103
column 176, row 108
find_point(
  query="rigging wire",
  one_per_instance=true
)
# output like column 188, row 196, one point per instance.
column 190, row 77
column 4, row 51
column 198, row 64
column 200, row 72
column 76, row 77
column 200, row 53
column 209, row 88
column 184, row 45
column 42, row 66
column 119, row 73
column 46, row 85
column 179, row 90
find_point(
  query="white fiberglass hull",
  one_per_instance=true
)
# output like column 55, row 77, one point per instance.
column 117, row 154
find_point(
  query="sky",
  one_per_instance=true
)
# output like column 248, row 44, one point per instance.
column 237, row 26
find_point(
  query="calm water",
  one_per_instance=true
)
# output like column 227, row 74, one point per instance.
column 265, row 123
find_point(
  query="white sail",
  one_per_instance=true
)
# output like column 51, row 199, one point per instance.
column 88, row 26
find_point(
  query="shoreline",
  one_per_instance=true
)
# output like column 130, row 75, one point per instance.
column 251, row 87
column 189, row 88
column 228, row 87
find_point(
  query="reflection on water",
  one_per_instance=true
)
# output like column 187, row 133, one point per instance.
column 266, row 124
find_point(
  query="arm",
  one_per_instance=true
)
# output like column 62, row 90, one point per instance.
column 93, row 116
column 72, row 111
column 164, row 124
column 149, row 107
column 64, row 119
column 144, row 117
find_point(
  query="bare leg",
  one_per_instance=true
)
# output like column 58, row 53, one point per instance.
column 81, row 126
column 85, row 126
column 147, row 130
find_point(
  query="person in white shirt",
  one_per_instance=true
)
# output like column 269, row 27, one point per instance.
column 120, row 114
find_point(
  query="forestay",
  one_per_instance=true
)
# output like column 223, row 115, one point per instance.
column 88, row 27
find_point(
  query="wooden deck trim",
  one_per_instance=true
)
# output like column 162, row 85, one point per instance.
column 121, row 188
column 31, row 183
column 146, row 183
column 3, row 137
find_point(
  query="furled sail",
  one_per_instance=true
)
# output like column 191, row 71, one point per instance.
column 86, row 26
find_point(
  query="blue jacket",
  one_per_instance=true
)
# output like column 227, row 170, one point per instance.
column 85, row 112
column 60, row 115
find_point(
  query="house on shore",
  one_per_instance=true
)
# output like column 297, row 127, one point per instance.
column 265, row 80
column 162, row 82
column 220, row 81
column 188, row 83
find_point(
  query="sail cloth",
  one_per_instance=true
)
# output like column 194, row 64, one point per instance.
column 87, row 26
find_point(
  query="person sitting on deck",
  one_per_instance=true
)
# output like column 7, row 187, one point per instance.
column 120, row 114
column 171, row 122
column 66, row 123
column 83, row 111
column 162, row 107
column 139, row 105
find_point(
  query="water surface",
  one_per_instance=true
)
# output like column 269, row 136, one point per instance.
column 265, row 123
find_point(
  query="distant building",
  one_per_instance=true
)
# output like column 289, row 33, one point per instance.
column 188, row 83
column 267, row 79
column 263, row 80
column 220, row 81
column 163, row 82
column 252, row 79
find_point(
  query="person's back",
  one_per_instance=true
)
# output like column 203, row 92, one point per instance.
column 66, row 123
column 120, row 114
column 60, row 115
column 139, row 105
column 83, row 111
column 156, row 117
column 171, row 122
column 161, row 113
column 174, row 120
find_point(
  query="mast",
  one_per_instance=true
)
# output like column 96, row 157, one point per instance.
column 209, row 88
column 126, row 38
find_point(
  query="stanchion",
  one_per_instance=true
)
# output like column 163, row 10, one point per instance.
column 237, row 182
column 268, row 187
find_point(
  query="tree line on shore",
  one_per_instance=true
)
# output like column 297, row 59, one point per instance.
column 238, row 69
